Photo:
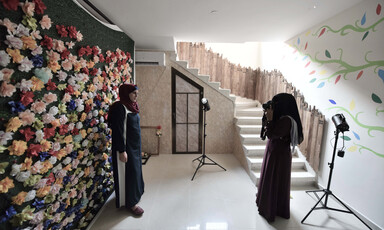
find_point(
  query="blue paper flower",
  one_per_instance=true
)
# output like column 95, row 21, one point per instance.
column 71, row 105
column 43, row 155
column 16, row 107
column 37, row 61
column 38, row 204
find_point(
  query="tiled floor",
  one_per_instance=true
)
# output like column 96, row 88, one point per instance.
column 214, row 200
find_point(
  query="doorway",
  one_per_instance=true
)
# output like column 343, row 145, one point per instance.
column 187, row 114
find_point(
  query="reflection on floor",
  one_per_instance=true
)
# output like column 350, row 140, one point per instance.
column 214, row 200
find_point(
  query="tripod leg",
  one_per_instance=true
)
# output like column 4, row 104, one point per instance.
column 197, row 158
column 216, row 163
column 313, row 207
column 198, row 167
column 350, row 211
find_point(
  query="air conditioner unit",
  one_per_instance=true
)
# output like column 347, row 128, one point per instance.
column 150, row 58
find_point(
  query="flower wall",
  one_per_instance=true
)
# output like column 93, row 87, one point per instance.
column 59, row 70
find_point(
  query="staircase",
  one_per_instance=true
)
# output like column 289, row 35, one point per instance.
column 248, row 122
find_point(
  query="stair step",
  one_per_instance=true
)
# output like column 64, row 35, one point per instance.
column 249, row 129
column 252, row 139
column 246, row 104
column 215, row 85
column 254, row 150
column 204, row 78
column 256, row 162
column 183, row 63
column 301, row 178
column 248, row 120
column 248, row 112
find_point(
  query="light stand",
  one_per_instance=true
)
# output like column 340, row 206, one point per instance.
column 341, row 126
column 201, row 158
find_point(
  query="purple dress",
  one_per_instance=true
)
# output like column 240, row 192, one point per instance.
column 274, row 188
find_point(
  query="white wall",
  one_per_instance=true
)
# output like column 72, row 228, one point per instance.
column 358, row 177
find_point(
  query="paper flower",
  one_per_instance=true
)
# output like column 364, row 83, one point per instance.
column 39, row 6
column 24, row 85
column 10, row 4
column 16, row 107
column 27, row 98
column 37, row 61
column 29, row 42
column 28, row 133
column 27, row 117
column 38, row 107
column 29, row 22
column 25, row 65
column 23, row 176
column 15, row 54
column 6, row 184
column 7, row 90
column 45, row 22
column 13, row 124
column 4, row 58
column 5, row 137
column 17, row 148
column 62, row 31
column 47, row 42
column 33, row 150
column 50, row 97
column 44, row 74
column 21, row 31
column 13, row 42
column 37, row 51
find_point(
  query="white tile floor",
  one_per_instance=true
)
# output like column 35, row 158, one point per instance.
column 214, row 200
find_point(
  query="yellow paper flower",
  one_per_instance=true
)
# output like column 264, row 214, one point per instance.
column 27, row 164
column 55, row 123
column 90, row 64
column 68, row 139
column 83, row 133
column 13, row 124
column 89, row 101
column 76, row 66
column 6, row 184
column 45, row 145
column 80, row 154
column 42, row 192
column 86, row 172
column 68, row 167
column 62, row 153
column 54, row 66
column 83, row 117
column 17, row 148
column 28, row 42
column 15, row 54
column 19, row 198
column 47, row 165
column 37, row 84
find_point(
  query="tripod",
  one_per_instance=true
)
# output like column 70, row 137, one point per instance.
column 328, row 192
column 201, row 158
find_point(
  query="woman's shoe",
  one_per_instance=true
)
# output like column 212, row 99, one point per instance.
column 138, row 211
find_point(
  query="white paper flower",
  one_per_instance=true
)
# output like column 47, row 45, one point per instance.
column 21, row 31
column 25, row 65
column 56, row 146
column 85, row 143
column 42, row 183
column 39, row 136
column 15, row 169
column 13, row 42
column 37, row 51
column 57, row 169
column 23, row 176
column 38, row 217
column 67, row 160
column 71, row 126
column 5, row 137
column 53, row 110
column 55, row 189
column 24, row 85
column 63, row 119
column 79, row 125
column 5, row 59
column 53, row 160
column 30, row 195
column 48, row 118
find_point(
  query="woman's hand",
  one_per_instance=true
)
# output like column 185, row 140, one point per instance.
column 269, row 114
column 123, row 157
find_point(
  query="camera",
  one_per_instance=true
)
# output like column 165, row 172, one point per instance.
column 266, row 105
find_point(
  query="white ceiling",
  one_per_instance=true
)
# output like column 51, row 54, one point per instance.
column 157, row 24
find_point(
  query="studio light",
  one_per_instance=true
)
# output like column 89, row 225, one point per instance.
column 205, row 103
column 340, row 122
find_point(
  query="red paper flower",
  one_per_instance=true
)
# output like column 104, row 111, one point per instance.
column 75, row 131
column 93, row 122
column 64, row 55
column 51, row 178
column 10, row 4
column 62, row 31
column 49, row 132
column 159, row 127
column 104, row 74
column 113, row 55
column 51, row 85
column 81, row 52
column 33, row 150
column 72, row 32
column 47, row 41
column 63, row 129
column 88, row 50
column 69, row 90
column 101, row 58
column 27, row 98
column 85, row 70
column 28, row 133
column 107, row 60
column 128, row 55
column 94, row 71
column 95, row 50
column 87, row 108
column 39, row 6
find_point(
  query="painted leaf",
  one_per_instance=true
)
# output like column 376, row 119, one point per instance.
column 381, row 74
column 312, row 72
column 327, row 54
column 332, row 101
column 356, row 135
column 346, row 138
column 313, row 80
column 378, row 9
column 337, row 79
column 359, row 75
column 307, row 64
column 306, row 45
column 322, row 32
column 298, row 41
column 365, row 35
column 352, row 105
column 305, row 57
column 363, row 19
column 352, row 148
column 376, row 99
column 321, row 85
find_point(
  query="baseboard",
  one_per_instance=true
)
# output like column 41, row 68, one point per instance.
column 371, row 224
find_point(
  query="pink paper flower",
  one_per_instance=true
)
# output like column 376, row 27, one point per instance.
column 58, row 45
column 28, row 8
column 7, row 90
column 24, row 85
column 38, row 107
column 53, row 56
column 11, row 27
column 38, row 50
column 79, row 36
column 13, row 42
column 66, row 65
column 46, row 22
column 50, row 97
column 70, row 44
column 36, row 35
column 27, row 117
column 62, row 75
